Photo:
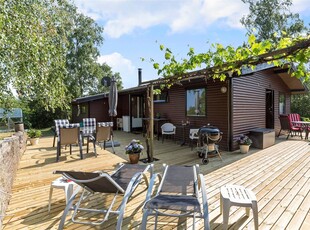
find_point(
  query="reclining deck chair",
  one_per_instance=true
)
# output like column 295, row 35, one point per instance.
column 181, row 193
column 123, row 181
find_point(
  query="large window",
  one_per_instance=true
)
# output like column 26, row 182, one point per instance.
column 196, row 102
column 162, row 97
column 282, row 109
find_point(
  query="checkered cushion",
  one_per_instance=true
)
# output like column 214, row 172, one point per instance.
column 89, row 122
column 72, row 125
column 105, row 124
column 58, row 123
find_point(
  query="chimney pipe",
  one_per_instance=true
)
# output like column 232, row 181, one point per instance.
column 139, row 76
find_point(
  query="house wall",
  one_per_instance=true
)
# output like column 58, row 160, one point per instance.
column 216, row 104
column 248, row 101
column 235, row 112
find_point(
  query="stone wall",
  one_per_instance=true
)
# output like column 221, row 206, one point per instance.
column 11, row 150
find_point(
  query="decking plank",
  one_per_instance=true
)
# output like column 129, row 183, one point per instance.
column 279, row 175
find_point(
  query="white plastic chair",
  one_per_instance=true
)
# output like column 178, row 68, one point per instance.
column 168, row 129
column 193, row 136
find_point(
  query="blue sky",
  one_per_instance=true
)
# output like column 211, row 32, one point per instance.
column 134, row 29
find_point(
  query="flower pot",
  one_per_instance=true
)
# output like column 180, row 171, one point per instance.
column 244, row 148
column 34, row 141
column 134, row 158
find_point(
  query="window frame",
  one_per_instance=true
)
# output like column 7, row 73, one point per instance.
column 188, row 107
column 284, row 103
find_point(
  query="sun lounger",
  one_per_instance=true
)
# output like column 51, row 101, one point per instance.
column 181, row 193
column 123, row 181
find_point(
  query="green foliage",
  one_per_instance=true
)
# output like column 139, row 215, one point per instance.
column 220, row 60
column 105, row 71
column 32, row 50
column 272, row 19
column 300, row 104
column 48, row 53
column 34, row 133
column 82, row 54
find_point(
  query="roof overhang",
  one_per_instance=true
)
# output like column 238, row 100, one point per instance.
column 295, row 84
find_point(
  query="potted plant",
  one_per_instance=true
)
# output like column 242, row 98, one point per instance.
column 34, row 135
column 244, row 143
column 133, row 149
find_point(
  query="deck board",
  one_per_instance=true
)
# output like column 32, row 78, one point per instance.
column 278, row 175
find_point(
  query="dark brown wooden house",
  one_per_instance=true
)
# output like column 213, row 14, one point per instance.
column 235, row 106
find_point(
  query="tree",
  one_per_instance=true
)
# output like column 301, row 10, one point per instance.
column 82, row 55
column 33, row 50
column 48, row 52
column 105, row 71
column 272, row 19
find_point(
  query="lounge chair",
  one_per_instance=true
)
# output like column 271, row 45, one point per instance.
column 181, row 193
column 123, row 181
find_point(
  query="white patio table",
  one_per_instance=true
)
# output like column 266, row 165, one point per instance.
column 305, row 125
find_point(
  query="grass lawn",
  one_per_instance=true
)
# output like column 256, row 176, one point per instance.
column 45, row 133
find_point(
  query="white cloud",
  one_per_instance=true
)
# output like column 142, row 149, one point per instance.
column 122, row 17
column 301, row 6
column 125, row 16
column 124, row 66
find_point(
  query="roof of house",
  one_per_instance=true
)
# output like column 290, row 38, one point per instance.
column 294, row 84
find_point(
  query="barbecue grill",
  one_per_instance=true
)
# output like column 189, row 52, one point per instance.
column 209, row 136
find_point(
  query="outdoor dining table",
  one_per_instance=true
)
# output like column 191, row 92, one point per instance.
column 157, row 122
column 305, row 125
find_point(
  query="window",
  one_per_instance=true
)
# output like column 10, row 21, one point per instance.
column 83, row 109
column 162, row 97
column 282, row 103
column 196, row 102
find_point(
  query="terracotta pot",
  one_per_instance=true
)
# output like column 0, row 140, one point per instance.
column 244, row 148
column 134, row 158
column 34, row 141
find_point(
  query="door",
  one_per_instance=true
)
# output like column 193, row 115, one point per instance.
column 269, row 109
column 137, row 111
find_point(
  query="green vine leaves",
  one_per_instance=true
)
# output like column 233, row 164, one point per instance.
column 218, row 61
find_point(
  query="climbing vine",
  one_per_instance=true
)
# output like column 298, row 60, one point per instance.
column 219, row 60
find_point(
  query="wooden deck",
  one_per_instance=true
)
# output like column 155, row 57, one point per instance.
column 278, row 175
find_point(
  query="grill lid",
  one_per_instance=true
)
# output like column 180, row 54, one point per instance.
column 208, row 129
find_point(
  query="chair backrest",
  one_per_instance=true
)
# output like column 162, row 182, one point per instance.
column 103, row 133
column 89, row 122
column 105, row 183
column 93, row 181
column 285, row 122
column 69, row 134
column 60, row 122
column 193, row 133
column 168, row 127
column 294, row 117
column 179, row 180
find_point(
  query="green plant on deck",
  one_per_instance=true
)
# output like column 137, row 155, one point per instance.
column 34, row 133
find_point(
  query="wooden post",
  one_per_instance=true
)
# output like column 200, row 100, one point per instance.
column 150, row 124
